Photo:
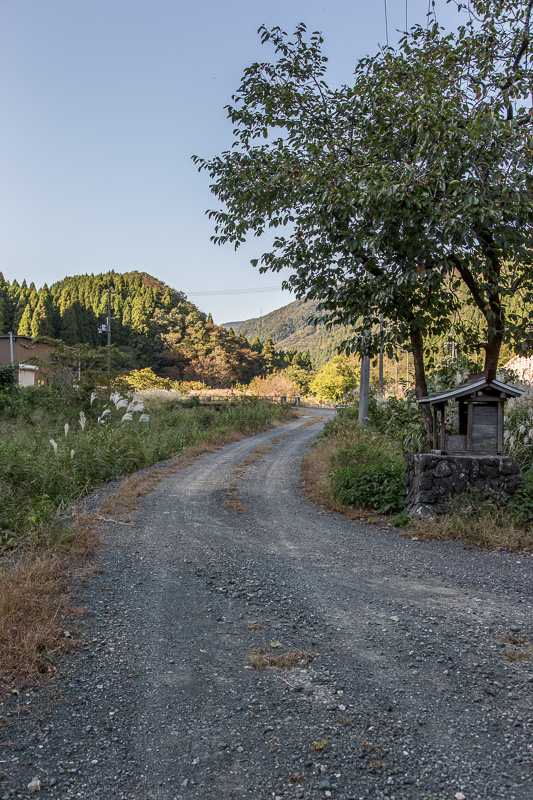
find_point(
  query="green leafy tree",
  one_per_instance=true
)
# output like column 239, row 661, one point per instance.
column 337, row 377
column 391, row 195
column 42, row 322
column 301, row 377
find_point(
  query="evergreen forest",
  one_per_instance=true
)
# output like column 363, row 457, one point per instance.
column 152, row 325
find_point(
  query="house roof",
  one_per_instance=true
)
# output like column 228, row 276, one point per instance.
column 466, row 389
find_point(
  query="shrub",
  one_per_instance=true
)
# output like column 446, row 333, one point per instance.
column 142, row 379
column 520, row 506
column 399, row 419
column 7, row 378
column 518, row 434
column 377, row 486
column 370, row 474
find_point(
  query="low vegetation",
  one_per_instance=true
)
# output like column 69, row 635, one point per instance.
column 54, row 452
column 261, row 658
column 359, row 472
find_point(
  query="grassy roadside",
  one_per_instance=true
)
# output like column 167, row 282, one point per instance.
column 52, row 454
column 359, row 473
column 42, row 555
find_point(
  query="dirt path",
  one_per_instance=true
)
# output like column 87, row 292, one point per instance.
column 411, row 695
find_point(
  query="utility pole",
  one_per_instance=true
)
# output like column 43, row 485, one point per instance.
column 380, row 363
column 107, row 326
column 364, row 390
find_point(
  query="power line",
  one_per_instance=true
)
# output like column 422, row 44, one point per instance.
column 256, row 290
column 386, row 23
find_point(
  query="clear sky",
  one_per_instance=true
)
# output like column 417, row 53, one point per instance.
column 104, row 102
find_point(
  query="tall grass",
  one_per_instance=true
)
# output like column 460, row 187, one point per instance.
column 364, row 467
column 45, row 465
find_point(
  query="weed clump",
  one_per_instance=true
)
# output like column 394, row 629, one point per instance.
column 261, row 658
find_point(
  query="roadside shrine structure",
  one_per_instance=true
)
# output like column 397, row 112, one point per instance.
column 480, row 405
column 472, row 458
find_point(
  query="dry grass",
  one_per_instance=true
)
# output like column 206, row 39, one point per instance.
column 256, row 454
column 261, row 658
column 522, row 648
column 491, row 529
column 232, row 502
column 310, row 422
column 296, row 778
column 34, row 601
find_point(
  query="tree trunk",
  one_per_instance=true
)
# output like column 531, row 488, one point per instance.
column 421, row 389
column 492, row 353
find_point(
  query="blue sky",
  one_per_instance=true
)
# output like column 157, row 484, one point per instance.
column 103, row 104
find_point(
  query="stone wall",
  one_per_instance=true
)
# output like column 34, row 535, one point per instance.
column 432, row 480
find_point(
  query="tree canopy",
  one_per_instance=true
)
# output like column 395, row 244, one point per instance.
column 399, row 194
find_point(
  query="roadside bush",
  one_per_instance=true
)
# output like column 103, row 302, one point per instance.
column 400, row 419
column 518, row 435
column 367, row 467
column 520, row 506
column 369, row 478
column 7, row 378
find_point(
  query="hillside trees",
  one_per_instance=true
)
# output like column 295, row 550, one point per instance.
column 394, row 194
column 338, row 377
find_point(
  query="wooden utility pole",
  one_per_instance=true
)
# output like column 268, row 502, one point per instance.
column 108, row 327
column 364, row 390
column 380, row 363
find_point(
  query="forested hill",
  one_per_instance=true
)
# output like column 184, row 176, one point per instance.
column 289, row 329
column 152, row 325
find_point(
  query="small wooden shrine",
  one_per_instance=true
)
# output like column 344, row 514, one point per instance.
column 480, row 404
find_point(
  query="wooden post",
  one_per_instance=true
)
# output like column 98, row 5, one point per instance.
column 500, row 426
column 442, row 428
column 469, row 424
column 435, row 435
column 380, row 367
column 364, row 390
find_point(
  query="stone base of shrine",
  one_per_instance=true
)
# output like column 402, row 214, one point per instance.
column 432, row 481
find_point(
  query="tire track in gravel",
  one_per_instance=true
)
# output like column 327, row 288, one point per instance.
column 410, row 696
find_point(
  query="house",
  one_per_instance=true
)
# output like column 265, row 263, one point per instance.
column 522, row 367
column 30, row 356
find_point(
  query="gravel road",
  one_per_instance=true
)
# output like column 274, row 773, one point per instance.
column 412, row 693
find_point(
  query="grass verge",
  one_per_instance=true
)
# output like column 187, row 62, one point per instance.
column 318, row 486
column 490, row 527
column 35, row 575
column 34, row 601
column 52, row 456
column 472, row 521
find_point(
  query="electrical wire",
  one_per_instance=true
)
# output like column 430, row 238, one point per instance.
column 386, row 23
column 213, row 292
